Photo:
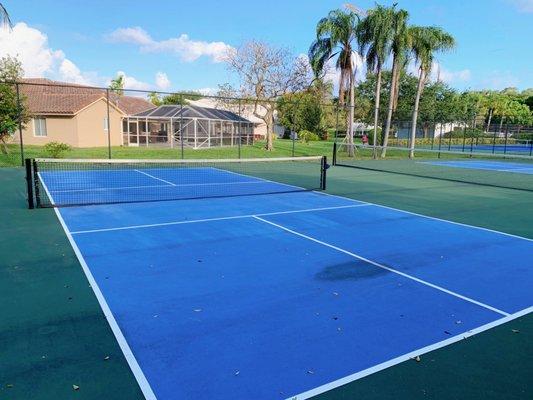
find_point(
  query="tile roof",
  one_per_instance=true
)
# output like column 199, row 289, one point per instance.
column 44, row 96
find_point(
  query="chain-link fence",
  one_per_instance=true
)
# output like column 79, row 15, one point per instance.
column 41, row 118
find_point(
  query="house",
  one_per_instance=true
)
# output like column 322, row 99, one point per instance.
column 75, row 114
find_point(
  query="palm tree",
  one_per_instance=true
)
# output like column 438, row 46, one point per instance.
column 399, row 48
column 5, row 22
column 375, row 37
column 425, row 42
column 335, row 37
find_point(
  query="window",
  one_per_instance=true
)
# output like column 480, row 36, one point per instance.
column 105, row 124
column 39, row 127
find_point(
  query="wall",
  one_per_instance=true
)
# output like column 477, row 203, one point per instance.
column 90, row 123
column 59, row 129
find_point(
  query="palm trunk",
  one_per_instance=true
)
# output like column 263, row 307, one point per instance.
column 488, row 122
column 501, row 124
column 419, row 89
column 391, row 107
column 376, row 111
column 349, row 133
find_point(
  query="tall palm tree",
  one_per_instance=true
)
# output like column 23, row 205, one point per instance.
column 426, row 41
column 336, row 38
column 375, row 36
column 399, row 48
column 5, row 22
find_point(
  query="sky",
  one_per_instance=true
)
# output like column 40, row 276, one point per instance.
column 179, row 45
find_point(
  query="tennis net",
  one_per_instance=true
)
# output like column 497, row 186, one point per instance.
column 496, row 170
column 76, row 182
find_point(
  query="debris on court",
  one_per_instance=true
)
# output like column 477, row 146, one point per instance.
column 75, row 387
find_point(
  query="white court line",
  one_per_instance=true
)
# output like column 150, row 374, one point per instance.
column 516, row 169
column 150, row 186
column 425, row 216
column 154, row 177
column 376, row 264
column 408, row 356
column 194, row 221
column 124, row 346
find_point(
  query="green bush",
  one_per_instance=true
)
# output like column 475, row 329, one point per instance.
column 56, row 149
column 308, row 136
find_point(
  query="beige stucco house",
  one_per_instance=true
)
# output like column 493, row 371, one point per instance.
column 74, row 114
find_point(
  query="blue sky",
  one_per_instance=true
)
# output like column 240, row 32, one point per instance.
column 89, row 42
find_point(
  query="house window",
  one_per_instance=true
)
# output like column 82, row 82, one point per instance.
column 39, row 127
column 105, row 124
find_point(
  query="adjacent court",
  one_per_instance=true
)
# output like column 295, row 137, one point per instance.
column 500, row 166
column 233, row 293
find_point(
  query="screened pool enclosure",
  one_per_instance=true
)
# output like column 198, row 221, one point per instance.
column 194, row 127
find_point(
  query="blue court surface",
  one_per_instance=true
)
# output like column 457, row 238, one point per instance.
column 285, row 295
column 500, row 166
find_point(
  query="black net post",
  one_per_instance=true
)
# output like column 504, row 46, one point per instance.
column 108, row 125
column 36, row 183
column 181, row 129
column 29, row 184
column 494, row 142
column 334, row 155
column 323, row 169
column 19, row 120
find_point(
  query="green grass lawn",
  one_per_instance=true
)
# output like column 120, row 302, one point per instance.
column 282, row 148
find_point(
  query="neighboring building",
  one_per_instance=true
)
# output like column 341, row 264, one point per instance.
column 192, row 126
column 75, row 114
column 247, row 112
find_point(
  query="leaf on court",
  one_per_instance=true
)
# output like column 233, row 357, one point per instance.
column 75, row 387
column 417, row 358
column 310, row 372
column 237, row 373
column 9, row 385
column 197, row 310
column 515, row 330
column 106, row 358
column 335, row 294
column 458, row 322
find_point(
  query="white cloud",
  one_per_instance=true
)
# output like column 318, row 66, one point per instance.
column 525, row 6
column 498, row 80
column 182, row 46
column 208, row 91
column 162, row 81
column 438, row 72
column 39, row 60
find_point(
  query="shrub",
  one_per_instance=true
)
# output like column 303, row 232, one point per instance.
column 307, row 136
column 56, row 149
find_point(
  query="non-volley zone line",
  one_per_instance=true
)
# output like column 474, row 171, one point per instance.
column 194, row 221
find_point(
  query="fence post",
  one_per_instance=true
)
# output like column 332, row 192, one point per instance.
column 506, row 137
column 19, row 118
column 181, row 128
column 494, row 142
column 240, row 130
column 108, row 126
column 464, row 135
column 440, row 139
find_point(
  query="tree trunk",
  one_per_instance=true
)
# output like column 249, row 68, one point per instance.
column 269, row 121
column 349, row 132
column 501, row 124
column 421, row 79
column 376, row 111
column 391, row 107
column 4, row 148
column 488, row 122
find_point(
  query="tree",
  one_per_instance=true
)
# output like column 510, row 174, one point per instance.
column 399, row 47
column 266, row 73
column 301, row 111
column 425, row 42
column 5, row 21
column 12, row 108
column 117, row 85
column 336, row 36
column 375, row 36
